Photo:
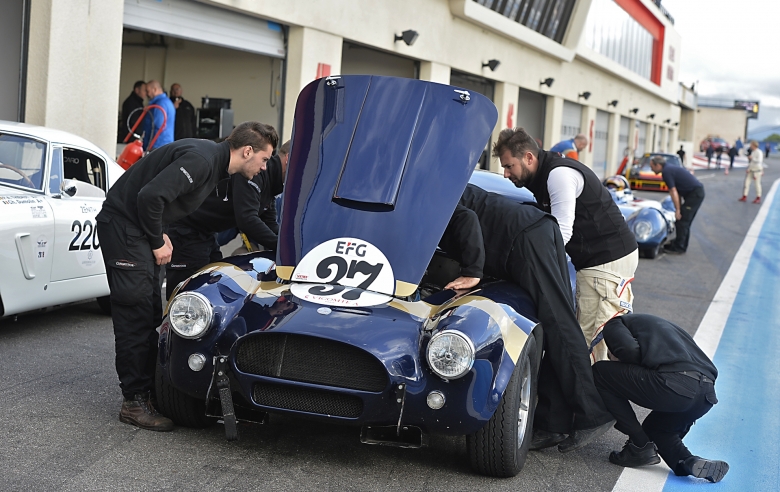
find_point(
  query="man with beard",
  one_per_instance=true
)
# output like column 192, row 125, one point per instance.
column 602, row 248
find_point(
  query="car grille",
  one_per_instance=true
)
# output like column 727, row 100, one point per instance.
column 307, row 400
column 311, row 360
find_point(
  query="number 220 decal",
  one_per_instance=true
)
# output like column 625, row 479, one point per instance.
column 89, row 233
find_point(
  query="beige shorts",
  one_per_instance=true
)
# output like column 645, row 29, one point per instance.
column 603, row 292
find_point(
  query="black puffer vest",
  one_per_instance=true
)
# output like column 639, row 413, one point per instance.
column 600, row 233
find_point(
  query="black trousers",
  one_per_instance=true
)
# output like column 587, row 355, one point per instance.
column 136, row 305
column 676, row 401
column 567, row 395
column 192, row 250
column 690, row 205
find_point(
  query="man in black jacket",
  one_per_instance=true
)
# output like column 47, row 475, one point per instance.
column 236, row 203
column 135, row 101
column 164, row 186
column 657, row 365
column 185, row 124
column 491, row 234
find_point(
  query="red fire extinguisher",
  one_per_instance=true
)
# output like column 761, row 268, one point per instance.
column 135, row 149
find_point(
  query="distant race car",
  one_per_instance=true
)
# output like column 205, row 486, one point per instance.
column 652, row 222
column 52, row 184
column 348, row 321
column 642, row 177
column 714, row 142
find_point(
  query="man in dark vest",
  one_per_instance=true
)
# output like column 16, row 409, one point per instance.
column 163, row 187
column 492, row 235
column 600, row 244
column 657, row 365
column 134, row 102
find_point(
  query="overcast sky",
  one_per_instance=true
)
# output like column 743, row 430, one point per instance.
column 732, row 48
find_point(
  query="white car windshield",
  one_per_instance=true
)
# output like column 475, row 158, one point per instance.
column 22, row 161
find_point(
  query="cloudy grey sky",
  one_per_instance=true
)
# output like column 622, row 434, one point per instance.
column 732, row 48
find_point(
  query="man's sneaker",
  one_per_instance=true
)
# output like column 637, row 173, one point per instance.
column 581, row 437
column 711, row 470
column 544, row 439
column 757, row 200
column 139, row 411
column 633, row 456
column 743, row 199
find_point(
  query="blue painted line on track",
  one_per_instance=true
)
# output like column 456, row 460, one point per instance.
column 743, row 429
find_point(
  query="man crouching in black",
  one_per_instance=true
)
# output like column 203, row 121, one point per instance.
column 657, row 365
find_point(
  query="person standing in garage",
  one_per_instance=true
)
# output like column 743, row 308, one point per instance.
column 602, row 248
column 236, row 203
column 185, row 115
column 162, row 187
column 572, row 147
column 687, row 194
column 504, row 239
column 156, row 118
column 657, row 365
column 134, row 102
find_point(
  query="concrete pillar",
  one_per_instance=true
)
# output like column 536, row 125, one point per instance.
column 588, row 127
column 664, row 139
column 614, row 152
column 505, row 99
column 553, row 119
column 73, row 68
column 310, row 53
column 633, row 136
column 434, row 72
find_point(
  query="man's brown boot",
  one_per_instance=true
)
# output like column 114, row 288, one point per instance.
column 139, row 412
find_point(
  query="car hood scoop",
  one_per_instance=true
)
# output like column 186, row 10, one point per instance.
column 377, row 165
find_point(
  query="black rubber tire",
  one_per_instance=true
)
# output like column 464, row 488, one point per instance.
column 105, row 304
column 496, row 449
column 180, row 407
column 652, row 252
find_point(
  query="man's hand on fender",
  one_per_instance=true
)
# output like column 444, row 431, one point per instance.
column 162, row 255
column 462, row 283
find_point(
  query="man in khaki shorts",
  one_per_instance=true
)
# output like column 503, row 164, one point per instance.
column 601, row 246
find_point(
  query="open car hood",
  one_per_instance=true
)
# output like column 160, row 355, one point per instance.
column 377, row 165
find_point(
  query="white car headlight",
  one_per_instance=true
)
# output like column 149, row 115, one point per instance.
column 190, row 314
column 450, row 354
column 643, row 230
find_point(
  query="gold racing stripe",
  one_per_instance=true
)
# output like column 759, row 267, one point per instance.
column 514, row 336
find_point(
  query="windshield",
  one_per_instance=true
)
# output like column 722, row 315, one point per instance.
column 22, row 161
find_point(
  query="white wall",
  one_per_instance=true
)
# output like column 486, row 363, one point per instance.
column 73, row 67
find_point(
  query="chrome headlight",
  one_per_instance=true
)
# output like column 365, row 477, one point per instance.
column 450, row 354
column 643, row 230
column 190, row 314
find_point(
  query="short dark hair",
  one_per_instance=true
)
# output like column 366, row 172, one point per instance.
column 138, row 83
column 515, row 140
column 285, row 148
column 253, row 133
column 657, row 159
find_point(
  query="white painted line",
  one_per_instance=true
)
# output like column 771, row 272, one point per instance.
column 653, row 478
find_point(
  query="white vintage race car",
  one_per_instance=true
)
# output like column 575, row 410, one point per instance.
column 52, row 185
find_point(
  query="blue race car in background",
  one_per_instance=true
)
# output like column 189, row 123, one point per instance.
column 348, row 321
column 652, row 222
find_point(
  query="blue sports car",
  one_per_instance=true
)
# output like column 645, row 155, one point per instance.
column 348, row 321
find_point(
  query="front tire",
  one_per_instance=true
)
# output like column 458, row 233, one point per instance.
column 652, row 252
column 500, row 448
column 180, row 407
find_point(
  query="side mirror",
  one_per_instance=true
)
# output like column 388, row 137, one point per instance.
column 73, row 187
column 69, row 187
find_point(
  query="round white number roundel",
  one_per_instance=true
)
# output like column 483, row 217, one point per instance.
column 347, row 261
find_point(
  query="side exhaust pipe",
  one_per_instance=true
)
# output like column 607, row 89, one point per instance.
column 405, row 436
